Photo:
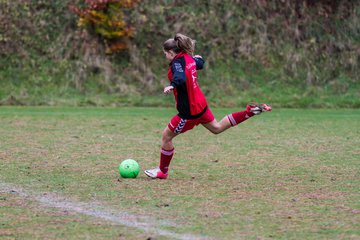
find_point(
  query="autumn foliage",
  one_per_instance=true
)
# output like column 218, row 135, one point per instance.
column 107, row 19
column 298, row 53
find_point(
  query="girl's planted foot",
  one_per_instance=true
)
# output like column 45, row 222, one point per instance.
column 156, row 173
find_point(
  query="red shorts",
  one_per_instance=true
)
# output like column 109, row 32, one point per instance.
column 179, row 125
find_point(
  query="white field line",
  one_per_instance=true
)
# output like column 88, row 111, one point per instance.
column 96, row 210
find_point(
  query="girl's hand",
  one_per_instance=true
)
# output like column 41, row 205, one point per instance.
column 168, row 89
column 197, row 56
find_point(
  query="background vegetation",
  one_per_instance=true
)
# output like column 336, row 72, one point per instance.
column 296, row 53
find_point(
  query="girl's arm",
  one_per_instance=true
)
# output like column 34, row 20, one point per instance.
column 199, row 62
column 179, row 77
column 178, row 71
column 168, row 89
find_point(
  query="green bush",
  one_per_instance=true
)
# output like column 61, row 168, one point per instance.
column 299, row 53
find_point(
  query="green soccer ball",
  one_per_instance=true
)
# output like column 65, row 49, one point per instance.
column 129, row 168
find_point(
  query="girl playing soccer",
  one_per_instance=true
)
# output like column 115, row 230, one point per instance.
column 190, row 101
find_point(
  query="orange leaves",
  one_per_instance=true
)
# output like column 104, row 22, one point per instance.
column 114, row 47
column 107, row 19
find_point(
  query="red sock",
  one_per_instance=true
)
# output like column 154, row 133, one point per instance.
column 238, row 117
column 165, row 159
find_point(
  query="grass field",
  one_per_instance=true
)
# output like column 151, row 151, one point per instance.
column 288, row 174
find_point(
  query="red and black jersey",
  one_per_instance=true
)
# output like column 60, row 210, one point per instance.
column 190, row 101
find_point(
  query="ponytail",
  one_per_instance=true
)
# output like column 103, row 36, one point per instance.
column 180, row 43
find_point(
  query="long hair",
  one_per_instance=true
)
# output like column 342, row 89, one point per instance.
column 180, row 43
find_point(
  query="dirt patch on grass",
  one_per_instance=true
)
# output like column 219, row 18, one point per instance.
column 323, row 195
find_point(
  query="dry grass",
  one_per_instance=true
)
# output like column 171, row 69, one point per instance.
column 289, row 174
